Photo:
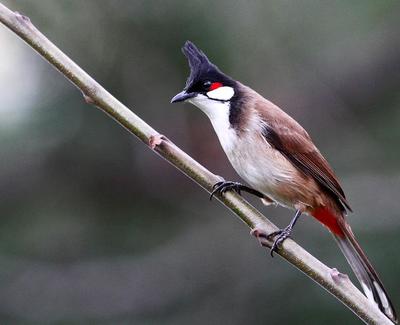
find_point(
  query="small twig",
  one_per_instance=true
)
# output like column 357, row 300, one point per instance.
column 330, row 279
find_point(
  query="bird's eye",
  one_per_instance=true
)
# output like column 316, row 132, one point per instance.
column 207, row 84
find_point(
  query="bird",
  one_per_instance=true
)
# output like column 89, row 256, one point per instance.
column 278, row 160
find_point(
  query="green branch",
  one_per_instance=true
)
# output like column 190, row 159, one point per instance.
column 337, row 284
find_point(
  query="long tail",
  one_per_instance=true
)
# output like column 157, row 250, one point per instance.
column 362, row 268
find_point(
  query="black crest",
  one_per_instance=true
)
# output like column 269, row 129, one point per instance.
column 201, row 69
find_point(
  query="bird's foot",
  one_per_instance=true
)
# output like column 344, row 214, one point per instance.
column 279, row 237
column 224, row 186
column 265, row 239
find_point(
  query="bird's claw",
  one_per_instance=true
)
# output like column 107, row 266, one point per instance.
column 265, row 240
column 279, row 237
column 224, row 186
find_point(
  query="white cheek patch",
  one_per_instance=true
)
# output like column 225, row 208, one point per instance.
column 221, row 93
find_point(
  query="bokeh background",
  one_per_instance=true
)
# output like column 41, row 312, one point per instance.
column 95, row 228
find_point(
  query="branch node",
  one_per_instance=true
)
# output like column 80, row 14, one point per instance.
column 156, row 140
column 88, row 99
column 22, row 18
column 337, row 276
column 261, row 236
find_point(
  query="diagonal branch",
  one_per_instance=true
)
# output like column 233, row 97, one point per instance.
column 337, row 284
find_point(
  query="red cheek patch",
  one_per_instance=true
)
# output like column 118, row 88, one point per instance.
column 215, row 85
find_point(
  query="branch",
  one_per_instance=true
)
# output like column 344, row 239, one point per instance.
column 337, row 284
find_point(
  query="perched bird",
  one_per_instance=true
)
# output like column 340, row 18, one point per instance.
column 278, row 160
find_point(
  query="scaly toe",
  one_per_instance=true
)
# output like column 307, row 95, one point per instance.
column 218, row 184
column 281, row 235
column 223, row 187
column 216, row 189
column 274, row 234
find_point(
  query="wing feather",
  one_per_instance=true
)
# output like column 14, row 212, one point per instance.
column 287, row 136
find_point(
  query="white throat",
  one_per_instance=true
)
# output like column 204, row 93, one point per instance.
column 218, row 113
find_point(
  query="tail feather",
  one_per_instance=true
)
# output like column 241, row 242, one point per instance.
column 362, row 268
column 365, row 273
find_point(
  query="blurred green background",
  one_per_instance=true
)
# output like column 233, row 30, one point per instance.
column 95, row 228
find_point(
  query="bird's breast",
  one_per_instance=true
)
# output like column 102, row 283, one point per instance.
column 259, row 164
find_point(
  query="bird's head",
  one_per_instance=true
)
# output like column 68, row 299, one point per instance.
column 206, row 85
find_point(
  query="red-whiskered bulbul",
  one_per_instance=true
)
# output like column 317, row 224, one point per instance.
column 278, row 159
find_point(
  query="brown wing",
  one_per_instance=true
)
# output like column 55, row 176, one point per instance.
column 287, row 136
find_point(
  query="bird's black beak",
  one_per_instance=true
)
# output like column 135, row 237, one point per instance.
column 182, row 96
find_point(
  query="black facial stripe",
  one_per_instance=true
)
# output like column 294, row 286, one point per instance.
column 218, row 100
column 235, row 111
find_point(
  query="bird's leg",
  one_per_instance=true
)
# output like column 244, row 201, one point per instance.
column 224, row 186
column 281, row 234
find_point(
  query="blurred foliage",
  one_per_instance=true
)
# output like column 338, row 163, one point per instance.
column 95, row 228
